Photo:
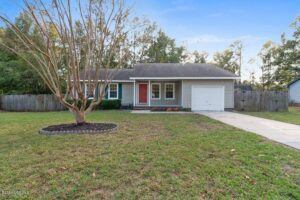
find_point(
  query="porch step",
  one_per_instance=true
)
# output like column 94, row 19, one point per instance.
column 160, row 108
column 141, row 108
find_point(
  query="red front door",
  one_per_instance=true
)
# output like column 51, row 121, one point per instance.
column 142, row 93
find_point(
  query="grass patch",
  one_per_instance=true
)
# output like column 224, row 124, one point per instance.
column 292, row 116
column 150, row 157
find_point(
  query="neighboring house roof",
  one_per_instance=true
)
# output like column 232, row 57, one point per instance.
column 243, row 87
column 294, row 81
column 169, row 70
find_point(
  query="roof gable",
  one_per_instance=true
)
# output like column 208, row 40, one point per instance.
column 294, row 81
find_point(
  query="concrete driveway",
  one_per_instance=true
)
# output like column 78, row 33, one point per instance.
column 281, row 132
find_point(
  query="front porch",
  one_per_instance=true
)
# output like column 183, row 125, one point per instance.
column 151, row 94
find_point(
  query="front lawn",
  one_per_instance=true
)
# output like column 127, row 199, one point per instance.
column 292, row 116
column 152, row 156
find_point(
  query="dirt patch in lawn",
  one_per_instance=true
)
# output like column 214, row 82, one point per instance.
column 154, row 131
column 143, row 131
column 101, row 193
column 90, row 128
column 203, row 124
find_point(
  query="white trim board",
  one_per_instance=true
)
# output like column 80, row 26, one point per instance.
column 111, row 81
column 131, row 79
column 185, row 78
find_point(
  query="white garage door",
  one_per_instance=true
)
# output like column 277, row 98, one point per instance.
column 207, row 98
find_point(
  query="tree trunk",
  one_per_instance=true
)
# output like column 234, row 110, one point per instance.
column 79, row 117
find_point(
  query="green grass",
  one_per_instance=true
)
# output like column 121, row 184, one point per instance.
column 149, row 157
column 292, row 116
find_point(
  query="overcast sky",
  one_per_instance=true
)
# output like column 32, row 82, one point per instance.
column 212, row 25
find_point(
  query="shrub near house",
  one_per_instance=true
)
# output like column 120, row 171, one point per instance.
column 105, row 104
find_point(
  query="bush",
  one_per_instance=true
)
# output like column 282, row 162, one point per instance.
column 105, row 104
column 110, row 104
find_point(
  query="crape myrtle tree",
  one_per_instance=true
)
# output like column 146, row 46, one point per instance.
column 70, row 38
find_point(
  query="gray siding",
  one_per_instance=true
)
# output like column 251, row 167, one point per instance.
column 187, row 91
column 294, row 94
column 163, row 101
column 179, row 93
column 127, row 93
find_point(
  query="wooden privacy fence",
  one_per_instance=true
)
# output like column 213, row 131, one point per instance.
column 37, row 103
column 261, row 101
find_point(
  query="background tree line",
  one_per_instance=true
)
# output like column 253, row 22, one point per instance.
column 280, row 62
column 150, row 45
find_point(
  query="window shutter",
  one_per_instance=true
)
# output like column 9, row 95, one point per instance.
column 97, row 91
column 106, row 92
column 120, row 91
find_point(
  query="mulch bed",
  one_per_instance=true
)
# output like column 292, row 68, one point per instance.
column 87, row 128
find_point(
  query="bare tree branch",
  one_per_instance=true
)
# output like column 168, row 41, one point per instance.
column 62, row 53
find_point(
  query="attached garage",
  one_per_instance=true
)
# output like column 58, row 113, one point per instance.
column 214, row 95
column 207, row 97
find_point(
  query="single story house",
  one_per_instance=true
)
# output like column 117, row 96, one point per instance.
column 294, row 91
column 188, row 86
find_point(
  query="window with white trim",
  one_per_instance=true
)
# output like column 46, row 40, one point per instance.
column 169, row 91
column 113, row 91
column 155, row 91
column 90, row 96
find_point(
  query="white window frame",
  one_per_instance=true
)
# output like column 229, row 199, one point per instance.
column 159, row 91
column 109, row 91
column 173, row 84
column 86, row 91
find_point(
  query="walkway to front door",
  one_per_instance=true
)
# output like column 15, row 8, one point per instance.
column 143, row 91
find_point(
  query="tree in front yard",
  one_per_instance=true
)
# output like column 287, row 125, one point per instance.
column 69, row 38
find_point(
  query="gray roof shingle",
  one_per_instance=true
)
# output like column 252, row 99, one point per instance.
column 171, row 70
column 119, row 74
column 180, row 70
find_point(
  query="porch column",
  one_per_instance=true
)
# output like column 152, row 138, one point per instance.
column 134, row 98
column 149, row 93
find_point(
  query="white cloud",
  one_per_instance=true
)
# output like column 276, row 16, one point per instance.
column 214, row 39
column 175, row 9
column 225, row 13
